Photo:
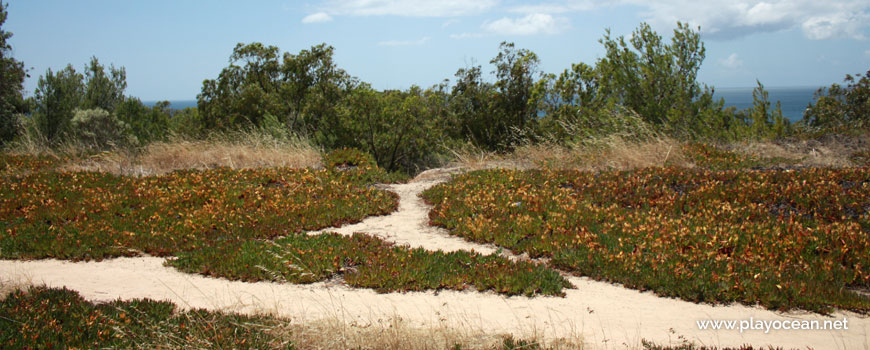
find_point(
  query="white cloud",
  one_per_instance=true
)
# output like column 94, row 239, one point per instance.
column 466, row 35
column 556, row 7
column 867, row 53
column 449, row 22
column 732, row 62
column 420, row 42
column 734, row 18
column 319, row 17
column 531, row 24
column 410, row 8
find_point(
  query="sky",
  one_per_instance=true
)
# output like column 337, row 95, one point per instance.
column 168, row 47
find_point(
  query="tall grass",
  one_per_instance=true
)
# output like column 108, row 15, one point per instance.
column 235, row 149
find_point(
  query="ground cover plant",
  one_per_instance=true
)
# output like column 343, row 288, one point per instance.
column 15, row 164
column 781, row 238
column 54, row 318
column 714, row 158
column 51, row 318
column 369, row 262
column 88, row 215
column 222, row 222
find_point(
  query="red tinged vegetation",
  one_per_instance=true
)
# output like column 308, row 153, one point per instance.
column 245, row 225
column 784, row 239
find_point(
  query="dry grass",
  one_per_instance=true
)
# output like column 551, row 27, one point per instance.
column 396, row 334
column 829, row 151
column 610, row 153
column 163, row 157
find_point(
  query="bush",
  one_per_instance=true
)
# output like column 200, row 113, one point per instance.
column 348, row 158
column 98, row 129
column 839, row 106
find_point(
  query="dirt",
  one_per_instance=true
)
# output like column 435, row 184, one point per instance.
column 602, row 315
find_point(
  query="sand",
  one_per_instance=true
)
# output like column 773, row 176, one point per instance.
column 603, row 315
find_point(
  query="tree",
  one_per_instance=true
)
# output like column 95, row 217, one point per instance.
column 841, row 106
column 57, row 96
column 516, row 107
column 395, row 127
column 12, row 74
column 146, row 123
column 656, row 80
column 570, row 101
column 301, row 90
column 760, row 119
column 492, row 115
column 471, row 116
column 102, row 90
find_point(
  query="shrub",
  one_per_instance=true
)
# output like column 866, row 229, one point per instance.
column 100, row 130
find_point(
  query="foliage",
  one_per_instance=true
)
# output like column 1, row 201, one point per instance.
column 308, row 95
column 393, row 126
column 368, row 262
column 84, row 216
column 99, row 130
column 841, row 106
column 56, row 98
column 187, row 123
column 104, row 91
column 656, row 80
column 491, row 115
column 49, row 318
column 147, row 124
column 762, row 121
column 360, row 166
column 11, row 164
column 12, row 74
column 784, row 239
column 344, row 158
column 301, row 90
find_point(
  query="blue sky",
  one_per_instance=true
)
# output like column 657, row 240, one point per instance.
column 170, row 46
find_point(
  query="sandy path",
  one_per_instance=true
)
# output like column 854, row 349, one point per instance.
column 602, row 314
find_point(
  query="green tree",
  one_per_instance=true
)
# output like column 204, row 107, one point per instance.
column 395, row 127
column 12, row 74
column 570, row 102
column 841, row 106
column 313, row 85
column 761, row 120
column 147, row 124
column 301, row 90
column 515, row 104
column 471, row 116
column 57, row 95
column 656, row 80
column 103, row 90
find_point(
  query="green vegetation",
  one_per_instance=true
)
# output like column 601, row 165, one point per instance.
column 368, row 262
column 99, row 215
column 222, row 222
column 841, row 107
column 46, row 318
column 716, row 159
column 643, row 85
column 53, row 318
column 784, row 239
column 12, row 75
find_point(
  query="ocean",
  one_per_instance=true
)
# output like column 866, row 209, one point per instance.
column 178, row 104
column 794, row 99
